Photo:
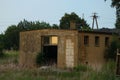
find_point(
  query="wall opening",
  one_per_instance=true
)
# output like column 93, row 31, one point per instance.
column 50, row 49
column 106, row 41
column 86, row 40
column 50, row 52
column 97, row 40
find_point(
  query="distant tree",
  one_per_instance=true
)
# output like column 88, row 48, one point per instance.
column 12, row 32
column 116, row 4
column 12, row 37
column 39, row 25
column 55, row 26
column 45, row 25
column 29, row 25
column 1, row 44
column 24, row 25
column 65, row 21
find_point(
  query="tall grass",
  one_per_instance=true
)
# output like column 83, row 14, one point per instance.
column 106, row 73
column 81, row 72
column 9, row 57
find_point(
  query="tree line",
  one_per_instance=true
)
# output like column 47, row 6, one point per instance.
column 10, row 38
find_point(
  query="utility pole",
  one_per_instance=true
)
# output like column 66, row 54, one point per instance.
column 94, row 16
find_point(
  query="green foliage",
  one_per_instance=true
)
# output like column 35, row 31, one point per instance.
column 9, row 57
column 86, row 28
column 106, row 73
column 31, row 25
column 55, row 26
column 116, row 4
column 14, row 72
column 65, row 21
column 40, row 59
column 1, row 51
column 12, row 37
column 111, row 51
column 117, row 24
column 1, row 44
column 81, row 68
column 10, row 40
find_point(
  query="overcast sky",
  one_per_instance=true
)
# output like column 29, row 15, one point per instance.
column 13, row 11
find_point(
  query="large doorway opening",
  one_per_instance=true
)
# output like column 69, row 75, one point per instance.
column 50, row 49
column 50, row 52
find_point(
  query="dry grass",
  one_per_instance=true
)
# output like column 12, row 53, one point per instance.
column 10, row 70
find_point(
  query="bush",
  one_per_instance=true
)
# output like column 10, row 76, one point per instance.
column 40, row 59
column 111, row 51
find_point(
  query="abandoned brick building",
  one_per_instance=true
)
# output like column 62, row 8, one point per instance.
column 67, row 48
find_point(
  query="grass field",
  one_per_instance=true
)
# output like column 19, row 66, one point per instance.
column 10, row 70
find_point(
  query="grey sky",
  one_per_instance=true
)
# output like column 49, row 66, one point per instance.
column 13, row 11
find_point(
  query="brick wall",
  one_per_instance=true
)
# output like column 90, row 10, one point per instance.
column 30, row 45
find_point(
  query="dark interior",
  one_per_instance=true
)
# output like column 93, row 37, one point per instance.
column 50, row 52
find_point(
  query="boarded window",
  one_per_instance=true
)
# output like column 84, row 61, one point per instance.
column 54, row 40
column 106, row 41
column 97, row 40
column 86, row 40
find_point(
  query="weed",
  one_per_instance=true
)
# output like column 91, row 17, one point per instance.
column 81, row 68
column 40, row 59
column 81, row 72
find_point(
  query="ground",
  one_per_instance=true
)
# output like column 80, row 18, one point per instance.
column 9, row 69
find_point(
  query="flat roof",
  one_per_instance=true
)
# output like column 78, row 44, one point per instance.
column 96, row 32
column 80, row 31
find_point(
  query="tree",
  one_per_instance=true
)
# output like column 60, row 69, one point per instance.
column 12, row 32
column 31, row 25
column 1, row 44
column 12, row 37
column 55, row 26
column 116, row 4
column 24, row 25
column 111, row 51
column 65, row 21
